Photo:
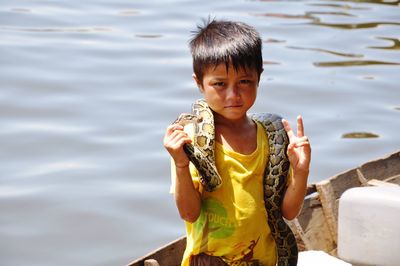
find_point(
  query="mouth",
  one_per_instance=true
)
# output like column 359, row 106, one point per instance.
column 234, row 106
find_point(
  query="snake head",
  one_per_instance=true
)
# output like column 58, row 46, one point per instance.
column 185, row 119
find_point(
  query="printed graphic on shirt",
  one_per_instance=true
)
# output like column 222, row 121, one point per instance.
column 214, row 221
column 246, row 256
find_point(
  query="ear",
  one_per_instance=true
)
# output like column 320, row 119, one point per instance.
column 198, row 82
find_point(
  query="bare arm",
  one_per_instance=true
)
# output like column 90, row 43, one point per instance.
column 299, row 153
column 187, row 198
column 294, row 195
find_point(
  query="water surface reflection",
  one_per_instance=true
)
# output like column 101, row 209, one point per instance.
column 88, row 88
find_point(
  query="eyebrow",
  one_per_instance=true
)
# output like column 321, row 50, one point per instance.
column 246, row 76
column 219, row 78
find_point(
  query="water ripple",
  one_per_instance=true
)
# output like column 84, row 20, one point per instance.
column 59, row 29
column 355, row 26
column 360, row 135
column 23, row 10
column 326, row 51
column 394, row 46
column 379, row 2
column 129, row 13
column 17, row 191
column 45, row 128
column 340, row 6
column 271, row 63
column 353, row 63
column 49, row 168
column 271, row 40
column 307, row 15
column 148, row 36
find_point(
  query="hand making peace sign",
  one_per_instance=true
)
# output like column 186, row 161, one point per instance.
column 299, row 149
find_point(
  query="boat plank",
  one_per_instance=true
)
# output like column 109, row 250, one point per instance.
column 170, row 254
column 382, row 168
column 312, row 222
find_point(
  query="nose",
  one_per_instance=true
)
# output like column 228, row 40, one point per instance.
column 233, row 92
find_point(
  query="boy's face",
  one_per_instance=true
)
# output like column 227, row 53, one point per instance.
column 229, row 93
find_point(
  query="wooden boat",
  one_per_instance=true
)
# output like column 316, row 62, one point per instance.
column 315, row 227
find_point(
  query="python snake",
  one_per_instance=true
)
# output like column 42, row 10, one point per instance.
column 201, row 154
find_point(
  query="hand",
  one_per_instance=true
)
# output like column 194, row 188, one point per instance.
column 299, row 149
column 174, row 140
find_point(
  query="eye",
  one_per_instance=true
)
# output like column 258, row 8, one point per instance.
column 218, row 84
column 245, row 81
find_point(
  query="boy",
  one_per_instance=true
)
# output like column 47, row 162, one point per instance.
column 229, row 226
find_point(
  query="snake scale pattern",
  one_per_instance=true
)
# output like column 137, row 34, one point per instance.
column 201, row 154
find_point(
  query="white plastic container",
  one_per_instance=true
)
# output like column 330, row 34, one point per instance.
column 369, row 226
column 319, row 258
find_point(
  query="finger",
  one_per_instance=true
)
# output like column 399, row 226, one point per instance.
column 172, row 137
column 300, row 126
column 288, row 129
column 178, row 135
column 302, row 139
column 305, row 146
column 301, row 144
column 176, row 146
column 172, row 128
column 291, row 147
column 307, row 152
column 291, row 152
column 177, row 142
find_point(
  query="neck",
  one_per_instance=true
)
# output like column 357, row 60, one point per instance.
column 232, row 123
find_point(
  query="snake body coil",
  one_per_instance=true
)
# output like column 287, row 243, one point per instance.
column 201, row 154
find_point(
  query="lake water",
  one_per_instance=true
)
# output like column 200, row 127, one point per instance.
column 88, row 88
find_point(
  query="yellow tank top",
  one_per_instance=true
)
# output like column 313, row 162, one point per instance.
column 233, row 220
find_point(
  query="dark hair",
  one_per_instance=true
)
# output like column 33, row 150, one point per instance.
column 232, row 43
